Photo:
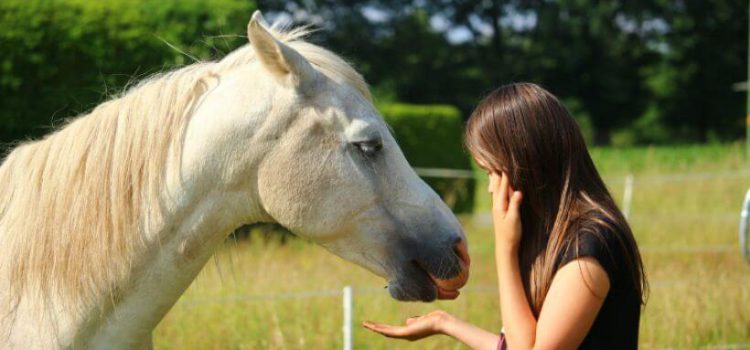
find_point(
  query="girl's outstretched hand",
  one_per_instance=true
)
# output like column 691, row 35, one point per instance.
column 506, row 215
column 416, row 327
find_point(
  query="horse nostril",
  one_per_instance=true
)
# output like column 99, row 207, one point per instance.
column 457, row 240
column 462, row 251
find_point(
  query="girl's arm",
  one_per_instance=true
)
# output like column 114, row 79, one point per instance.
column 576, row 293
column 518, row 319
column 471, row 335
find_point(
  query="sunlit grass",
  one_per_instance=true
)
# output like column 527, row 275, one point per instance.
column 687, row 230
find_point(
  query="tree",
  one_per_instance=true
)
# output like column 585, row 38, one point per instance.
column 704, row 52
column 63, row 57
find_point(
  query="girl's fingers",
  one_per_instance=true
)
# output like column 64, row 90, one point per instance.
column 411, row 320
column 387, row 330
column 502, row 196
column 379, row 327
column 510, row 191
column 515, row 203
column 495, row 186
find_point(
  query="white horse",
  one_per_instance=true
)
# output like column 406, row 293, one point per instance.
column 105, row 223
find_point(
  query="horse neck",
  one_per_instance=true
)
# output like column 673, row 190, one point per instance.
column 189, row 237
column 201, row 209
column 200, row 216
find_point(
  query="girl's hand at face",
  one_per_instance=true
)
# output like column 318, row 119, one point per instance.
column 416, row 327
column 506, row 215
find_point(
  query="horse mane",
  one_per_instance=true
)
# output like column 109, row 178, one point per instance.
column 76, row 205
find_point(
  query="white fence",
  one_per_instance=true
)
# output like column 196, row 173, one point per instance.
column 348, row 307
column 744, row 217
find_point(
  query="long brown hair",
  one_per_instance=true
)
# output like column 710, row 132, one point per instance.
column 523, row 130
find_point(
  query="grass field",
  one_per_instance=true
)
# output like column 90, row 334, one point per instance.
column 686, row 228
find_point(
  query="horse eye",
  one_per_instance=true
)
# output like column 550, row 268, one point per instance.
column 370, row 147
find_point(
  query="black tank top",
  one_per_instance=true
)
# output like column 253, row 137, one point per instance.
column 616, row 324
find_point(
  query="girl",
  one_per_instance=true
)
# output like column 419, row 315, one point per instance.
column 569, row 269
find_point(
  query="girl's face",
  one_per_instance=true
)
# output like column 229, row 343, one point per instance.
column 494, row 178
column 494, row 182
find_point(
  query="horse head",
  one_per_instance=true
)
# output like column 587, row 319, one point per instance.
column 305, row 141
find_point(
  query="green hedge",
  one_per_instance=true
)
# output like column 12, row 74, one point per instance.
column 431, row 137
column 63, row 57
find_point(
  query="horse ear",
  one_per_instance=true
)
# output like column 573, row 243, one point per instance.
column 258, row 16
column 286, row 64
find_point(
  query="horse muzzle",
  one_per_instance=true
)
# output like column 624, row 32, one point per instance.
column 447, row 288
column 433, row 272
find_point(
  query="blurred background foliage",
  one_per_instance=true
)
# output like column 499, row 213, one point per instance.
column 61, row 58
column 431, row 136
column 631, row 72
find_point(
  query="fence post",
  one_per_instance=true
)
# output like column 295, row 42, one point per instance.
column 744, row 217
column 627, row 196
column 347, row 318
